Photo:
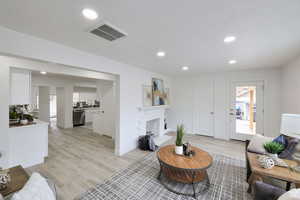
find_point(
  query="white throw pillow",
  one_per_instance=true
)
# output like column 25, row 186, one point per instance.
column 293, row 194
column 257, row 143
column 36, row 188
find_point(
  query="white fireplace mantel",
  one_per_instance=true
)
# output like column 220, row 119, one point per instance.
column 153, row 108
column 146, row 114
column 150, row 113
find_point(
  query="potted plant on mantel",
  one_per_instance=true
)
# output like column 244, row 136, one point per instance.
column 179, row 143
column 273, row 149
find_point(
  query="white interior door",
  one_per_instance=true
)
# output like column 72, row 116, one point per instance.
column 204, row 107
column 246, row 113
column 107, row 118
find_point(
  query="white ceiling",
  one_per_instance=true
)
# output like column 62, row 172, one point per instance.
column 191, row 32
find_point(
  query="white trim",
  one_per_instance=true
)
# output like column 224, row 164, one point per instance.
column 154, row 108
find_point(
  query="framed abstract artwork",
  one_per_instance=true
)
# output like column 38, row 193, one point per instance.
column 147, row 95
column 167, row 96
column 158, row 92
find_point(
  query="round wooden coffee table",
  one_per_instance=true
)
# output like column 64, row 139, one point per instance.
column 184, row 169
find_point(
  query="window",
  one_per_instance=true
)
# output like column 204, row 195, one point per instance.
column 52, row 106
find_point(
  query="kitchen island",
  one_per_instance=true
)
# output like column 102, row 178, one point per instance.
column 90, row 112
column 28, row 144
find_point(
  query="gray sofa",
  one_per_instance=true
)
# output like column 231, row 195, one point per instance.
column 264, row 191
column 286, row 154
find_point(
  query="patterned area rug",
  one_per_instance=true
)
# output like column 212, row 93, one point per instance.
column 139, row 182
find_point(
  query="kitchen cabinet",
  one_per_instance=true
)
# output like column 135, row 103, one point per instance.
column 29, row 144
column 103, row 125
column 89, row 114
column 20, row 86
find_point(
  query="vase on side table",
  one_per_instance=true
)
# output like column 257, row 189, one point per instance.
column 179, row 150
column 179, row 137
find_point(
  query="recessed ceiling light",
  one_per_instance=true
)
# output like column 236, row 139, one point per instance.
column 161, row 54
column 185, row 68
column 229, row 39
column 43, row 72
column 232, row 62
column 90, row 14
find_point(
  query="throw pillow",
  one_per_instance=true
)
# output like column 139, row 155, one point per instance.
column 290, row 148
column 281, row 140
column 36, row 188
column 257, row 142
column 1, row 197
column 293, row 194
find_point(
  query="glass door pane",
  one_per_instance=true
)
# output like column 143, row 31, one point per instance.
column 245, row 108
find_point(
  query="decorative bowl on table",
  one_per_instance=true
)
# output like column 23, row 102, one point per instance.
column 23, row 121
column 266, row 162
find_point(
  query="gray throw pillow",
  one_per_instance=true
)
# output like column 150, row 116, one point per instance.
column 257, row 142
column 290, row 148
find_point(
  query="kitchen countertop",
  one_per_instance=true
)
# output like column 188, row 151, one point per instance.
column 30, row 124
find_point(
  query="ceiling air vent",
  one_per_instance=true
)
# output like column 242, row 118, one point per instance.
column 108, row 32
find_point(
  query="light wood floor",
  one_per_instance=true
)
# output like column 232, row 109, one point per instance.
column 79, row 159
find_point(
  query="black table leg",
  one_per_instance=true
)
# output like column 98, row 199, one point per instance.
column 288, row 186
column 194, row 185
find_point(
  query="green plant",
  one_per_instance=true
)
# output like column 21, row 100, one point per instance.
column 273, row 147
column 13, row 115
column 180, row 134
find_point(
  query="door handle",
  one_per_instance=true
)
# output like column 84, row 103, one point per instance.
column 231, row 113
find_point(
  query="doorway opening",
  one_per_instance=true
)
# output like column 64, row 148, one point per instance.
column 57, row 91
column 76, row 102
column 52, row 106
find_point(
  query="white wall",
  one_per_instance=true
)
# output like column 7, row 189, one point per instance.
column 44, row 103
column 60, row 102
column 130, row 80
column 64, row 119
column 291, row 87
column 68, row 106
column 4, row 120
column 61, row 81
column 183, row 106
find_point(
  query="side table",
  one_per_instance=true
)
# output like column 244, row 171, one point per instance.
column 19, row 177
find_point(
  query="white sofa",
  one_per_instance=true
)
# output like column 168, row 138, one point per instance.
column 51, row 185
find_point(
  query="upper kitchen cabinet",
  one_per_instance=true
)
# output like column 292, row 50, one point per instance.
column 20, row 86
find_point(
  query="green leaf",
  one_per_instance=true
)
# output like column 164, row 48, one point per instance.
column 274, row 147
column 180, row 134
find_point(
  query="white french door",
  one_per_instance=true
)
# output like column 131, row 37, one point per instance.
column 246, row 113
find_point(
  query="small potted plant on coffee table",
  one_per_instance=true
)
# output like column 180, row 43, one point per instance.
column 179, row 137
column 273, row 149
